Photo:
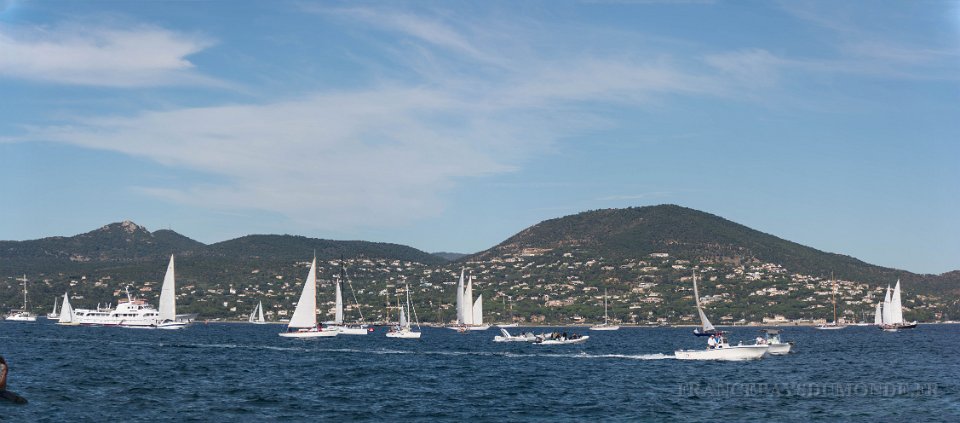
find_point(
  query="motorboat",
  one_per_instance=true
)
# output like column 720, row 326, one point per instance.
column 507, row 337
column 560, row 339
column 137, row 313
column 771, row 338
column 724, row 352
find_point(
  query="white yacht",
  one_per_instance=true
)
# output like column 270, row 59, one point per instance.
column 303, row 324
column 403, row 329
column 606, row 325
column 469, row 312
column 834, row 325
column 890, row 314
column 256, row 316
column 54, row 315
column 134, row 313
column 22, row 315
column 66, row 312
column 338, row 322
column 137, row 313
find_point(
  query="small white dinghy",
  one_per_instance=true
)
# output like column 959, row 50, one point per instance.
column 507, row 337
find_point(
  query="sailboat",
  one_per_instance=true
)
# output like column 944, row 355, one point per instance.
column 167, row 317
column 66, row 313
column 338, row 323
column 303, row 324
column 256, row 316
column 606, row 321
column 889, row 315
column 706, row 328
column 23, row 315
column 469, row 313
column 403, row 329
column 834, row 325
column 53, row 315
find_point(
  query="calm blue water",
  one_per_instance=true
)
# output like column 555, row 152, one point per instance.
column 245, row 372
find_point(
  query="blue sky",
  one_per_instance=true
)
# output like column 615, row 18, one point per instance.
column 449, row 126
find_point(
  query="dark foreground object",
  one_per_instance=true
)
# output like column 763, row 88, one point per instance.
column 12, row 397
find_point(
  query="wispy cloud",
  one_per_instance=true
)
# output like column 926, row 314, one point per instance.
column 137, row 56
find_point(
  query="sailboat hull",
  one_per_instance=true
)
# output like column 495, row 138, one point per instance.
column 831, row 327
column 310, row 333
column 464, row 328
column 21, row 317
column 404, row 335
column 605, row 327
column 894, row 328
column 353, row 330
column 698, row 332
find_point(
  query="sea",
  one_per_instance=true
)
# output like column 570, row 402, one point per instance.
column 246, row 373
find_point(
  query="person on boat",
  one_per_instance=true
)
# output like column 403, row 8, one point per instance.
column 3, row 374
column 4, row 393
column 761, row 341
column 711, row 342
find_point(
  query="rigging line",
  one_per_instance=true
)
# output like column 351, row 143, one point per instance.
column 343, row 275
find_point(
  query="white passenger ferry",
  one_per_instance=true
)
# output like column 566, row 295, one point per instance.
column 132, row 313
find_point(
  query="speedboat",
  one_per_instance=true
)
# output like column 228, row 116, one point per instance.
column 724, row 352
column 559, row 339
column 772, row 339
column 507, row 337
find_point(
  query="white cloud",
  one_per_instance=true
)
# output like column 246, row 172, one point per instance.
column 99, row 56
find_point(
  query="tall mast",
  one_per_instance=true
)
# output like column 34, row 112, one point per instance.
column 834, row 298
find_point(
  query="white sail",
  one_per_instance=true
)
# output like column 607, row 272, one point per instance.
column 253, row 314
column 896, row 309
column 403, row 319
column 478, row 310
column 54, row 312
column 878, row 317
column 696, row 293
column 260, row 312
column 66, row 310
column 468, row 302
column 168, row 295
column 460, row 319
column 305, row 315
column 338, row 317
column 887, row 308
column 705, row 324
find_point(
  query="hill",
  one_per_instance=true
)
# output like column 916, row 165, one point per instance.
column 693, row 235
